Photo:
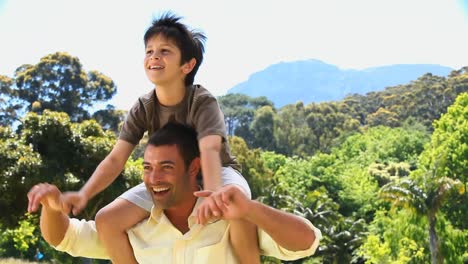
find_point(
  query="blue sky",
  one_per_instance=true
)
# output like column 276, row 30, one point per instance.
column 243, row 36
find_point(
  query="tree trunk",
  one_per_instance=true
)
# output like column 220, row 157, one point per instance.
column 436, row 258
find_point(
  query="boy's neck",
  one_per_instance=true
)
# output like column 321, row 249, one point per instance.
column 169, row 95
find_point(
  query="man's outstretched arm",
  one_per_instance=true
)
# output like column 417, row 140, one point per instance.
column 287, row 230
column 54, row 223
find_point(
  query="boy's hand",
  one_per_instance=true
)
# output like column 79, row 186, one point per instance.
column 230, row 200
column 47, row 195
column 208, row 210
column 74, row 201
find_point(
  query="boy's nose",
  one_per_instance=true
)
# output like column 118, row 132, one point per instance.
column 155, row 56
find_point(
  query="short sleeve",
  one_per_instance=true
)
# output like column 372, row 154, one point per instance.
column 269, row 247
column 81, row 240
column 208, row 118
column 134, row 125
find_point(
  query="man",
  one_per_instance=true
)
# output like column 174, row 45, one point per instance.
column 176, row 232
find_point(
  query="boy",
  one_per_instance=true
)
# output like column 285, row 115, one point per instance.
column 173, row 56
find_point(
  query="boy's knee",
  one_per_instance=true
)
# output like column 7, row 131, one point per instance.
column 104, row 218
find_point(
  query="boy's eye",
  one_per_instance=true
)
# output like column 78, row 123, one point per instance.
column 149, row 52
column 165, row 51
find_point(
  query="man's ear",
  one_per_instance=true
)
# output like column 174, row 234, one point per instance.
column 188, row 66
column 194, row 167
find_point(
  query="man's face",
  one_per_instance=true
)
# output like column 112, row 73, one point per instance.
column 166, row 176
column 162, row 61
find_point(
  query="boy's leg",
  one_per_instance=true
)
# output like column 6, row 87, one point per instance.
column 243, row 234
column 113, row 220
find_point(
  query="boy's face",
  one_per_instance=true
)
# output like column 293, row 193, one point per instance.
column 162, row 62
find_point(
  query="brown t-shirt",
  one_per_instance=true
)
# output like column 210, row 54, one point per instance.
column 199, row 109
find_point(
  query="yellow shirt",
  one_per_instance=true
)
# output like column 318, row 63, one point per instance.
column 156, row 240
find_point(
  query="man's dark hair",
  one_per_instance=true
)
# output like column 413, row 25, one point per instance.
column 182, row 136
column 190, row 42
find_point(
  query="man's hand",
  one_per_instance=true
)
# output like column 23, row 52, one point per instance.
column 45, row 194
column 229, row 200
column 74, row 201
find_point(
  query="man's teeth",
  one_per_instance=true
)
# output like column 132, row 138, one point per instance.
column 156, row 67
column 160, row 189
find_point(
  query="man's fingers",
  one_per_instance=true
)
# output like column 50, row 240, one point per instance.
column 77, row 210
column 214, row 207
column 219, row 203
column 204, row 193
column 225, row 198
column 37, row 193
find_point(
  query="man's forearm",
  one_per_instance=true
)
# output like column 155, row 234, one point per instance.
column 288, row 230
column 54, row 225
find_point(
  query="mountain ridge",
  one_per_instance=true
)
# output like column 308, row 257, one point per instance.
column 316, row 81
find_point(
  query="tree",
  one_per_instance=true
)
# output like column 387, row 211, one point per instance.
column 239, row 111
column 51, row 148
column 292, row 134
column 59, row 83
column 425, row 202
column 262, row 128
column 9, row 106
column 110, row 118
column 253, row 167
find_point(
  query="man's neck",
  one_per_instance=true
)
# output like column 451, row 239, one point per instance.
column 170, row 95
column 179, row 215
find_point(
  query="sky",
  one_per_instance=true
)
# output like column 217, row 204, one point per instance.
column 244, row 36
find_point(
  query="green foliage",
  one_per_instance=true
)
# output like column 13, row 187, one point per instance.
column 254, row 170
column 110, row 118
column 262, row 128
column 395, row 237
column 239, row 111
column 19, row 166
column 292, row 134
column 58, row 83
column 20, row 240
column 51, row 148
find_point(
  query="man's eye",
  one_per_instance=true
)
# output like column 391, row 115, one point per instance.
column 167, row 167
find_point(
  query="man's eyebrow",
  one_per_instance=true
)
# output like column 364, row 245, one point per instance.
column 160, row 162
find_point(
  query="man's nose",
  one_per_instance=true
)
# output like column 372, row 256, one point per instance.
column 154, row 176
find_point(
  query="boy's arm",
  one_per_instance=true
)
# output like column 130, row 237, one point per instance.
column 210, row 147
column 103, row 176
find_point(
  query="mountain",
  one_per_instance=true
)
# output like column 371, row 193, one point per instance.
column 315, row 81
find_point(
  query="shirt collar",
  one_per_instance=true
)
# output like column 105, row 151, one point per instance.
column 157, row 213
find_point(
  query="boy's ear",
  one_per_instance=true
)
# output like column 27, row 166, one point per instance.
column 188, row 66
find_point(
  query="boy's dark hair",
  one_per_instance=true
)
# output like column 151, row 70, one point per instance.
column 184, row 137
column 190, row 42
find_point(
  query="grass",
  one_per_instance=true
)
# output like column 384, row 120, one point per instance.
column 17, row 261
